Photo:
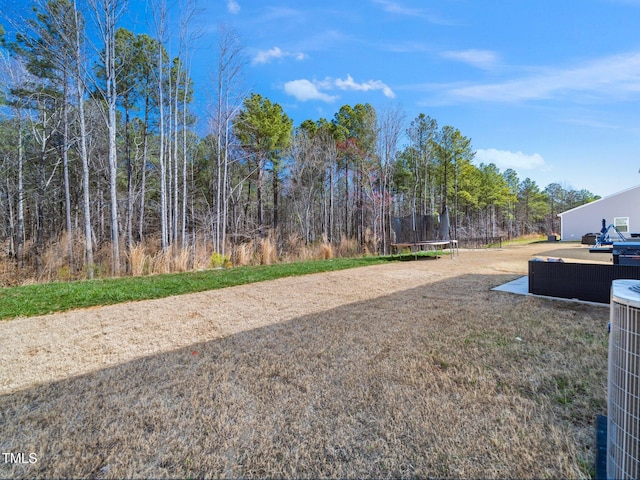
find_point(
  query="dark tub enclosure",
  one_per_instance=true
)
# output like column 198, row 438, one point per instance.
column 581, row 281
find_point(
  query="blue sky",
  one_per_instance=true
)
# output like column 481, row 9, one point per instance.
column 549, row 88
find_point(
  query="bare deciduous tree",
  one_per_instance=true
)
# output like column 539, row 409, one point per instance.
column 106, row 15
column 228, row 101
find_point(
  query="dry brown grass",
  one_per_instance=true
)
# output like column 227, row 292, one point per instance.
column 138, row 259
column 294, row 249
column 447, row 379
column 141, row 259
column 147, row 257
column 9, row 274
column 241, row 254
column 181, row 259
column 262, row 251
column 267, row 251
column 144, row 259
column 55, row 258
column 348, row 247
column 297, row 251
column 326, row 251
column 201, row 254
column 161, row 262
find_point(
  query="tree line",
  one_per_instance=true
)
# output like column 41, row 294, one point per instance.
column 99, row 144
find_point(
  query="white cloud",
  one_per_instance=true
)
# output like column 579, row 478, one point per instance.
column 409, row 46
column 396, row 7
column 304, row 90
column 484, row 59
column 265, row 56
column 504, row 159
column 233, row 6
column 350, row 84
column 605, row 78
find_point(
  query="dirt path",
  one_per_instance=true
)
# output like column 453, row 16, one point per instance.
column 53, row 347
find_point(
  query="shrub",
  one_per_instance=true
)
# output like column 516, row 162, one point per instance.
column 64, row 274
column 218, row 260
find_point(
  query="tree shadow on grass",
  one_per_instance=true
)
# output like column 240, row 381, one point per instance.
column 410, row 384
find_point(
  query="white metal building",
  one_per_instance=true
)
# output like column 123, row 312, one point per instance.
column 621, row 209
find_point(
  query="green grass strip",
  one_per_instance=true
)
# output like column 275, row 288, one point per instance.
column 41, row 299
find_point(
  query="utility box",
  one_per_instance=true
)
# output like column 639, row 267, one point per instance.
column 623, row 382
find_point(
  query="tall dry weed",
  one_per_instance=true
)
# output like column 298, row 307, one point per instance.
column 348, row 247
column 294, row 248
column 57, row 261
column 175, row 259
column 138, row 259
column 268, row 251
column 103, row 256
column 326, row 251
column 180, row 259
column 8, row 270
column 242, row 254
column 200, row 256
column 370, row 242
column 161, row 262
column 52, row 261
column 142, row 258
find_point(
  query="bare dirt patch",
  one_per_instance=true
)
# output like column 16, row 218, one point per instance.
column 407, row 369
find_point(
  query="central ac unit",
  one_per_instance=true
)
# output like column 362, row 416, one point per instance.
column 623, row 406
